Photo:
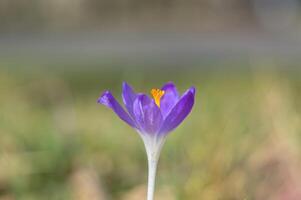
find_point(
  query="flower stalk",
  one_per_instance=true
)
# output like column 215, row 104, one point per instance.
column 153, row 146
column 152, row 169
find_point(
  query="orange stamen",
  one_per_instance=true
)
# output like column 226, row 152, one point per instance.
column 157, row 95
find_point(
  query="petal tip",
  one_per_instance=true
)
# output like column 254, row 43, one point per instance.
column 103, row 99
column 126, row 88
column 192, row 90
column 170, row 83
column 167, row 85
column 124, row 84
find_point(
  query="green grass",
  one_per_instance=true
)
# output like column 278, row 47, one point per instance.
column 51, row 130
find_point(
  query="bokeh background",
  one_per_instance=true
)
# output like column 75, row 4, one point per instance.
column 241, row 141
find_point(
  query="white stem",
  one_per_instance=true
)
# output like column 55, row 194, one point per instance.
column 152, row 168
column 153, row 148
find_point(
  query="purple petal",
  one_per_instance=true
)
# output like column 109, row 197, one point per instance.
column 108, row 100
column 179, row 111
column 128, row 97
column 169, row 99
column 192, row 90
column 147, row 114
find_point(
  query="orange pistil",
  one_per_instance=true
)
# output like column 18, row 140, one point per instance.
column 157, row 95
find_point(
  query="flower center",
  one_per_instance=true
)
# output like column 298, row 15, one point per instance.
column 157, row 95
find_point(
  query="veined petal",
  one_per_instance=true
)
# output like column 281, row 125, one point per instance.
column 169, row 99
column 108, row 100
column 128, row 97
column 179, row 112
column 147, row 114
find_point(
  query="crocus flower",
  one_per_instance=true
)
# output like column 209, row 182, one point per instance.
column 153, row 118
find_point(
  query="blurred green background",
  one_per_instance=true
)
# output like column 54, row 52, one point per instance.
column 241, row 141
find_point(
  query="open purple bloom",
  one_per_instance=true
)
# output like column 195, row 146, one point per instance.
column 155, row 116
